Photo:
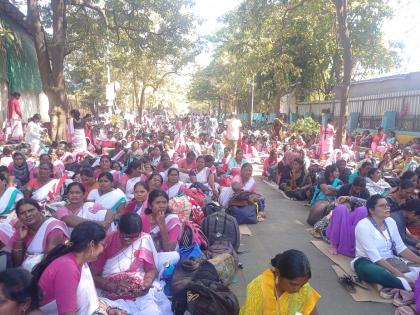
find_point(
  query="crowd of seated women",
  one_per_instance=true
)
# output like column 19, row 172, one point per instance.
column 108, row 225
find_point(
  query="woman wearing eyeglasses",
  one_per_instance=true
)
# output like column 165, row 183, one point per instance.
column 379, row 247
column 126, row 271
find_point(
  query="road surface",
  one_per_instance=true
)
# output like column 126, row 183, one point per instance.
column 286, row 228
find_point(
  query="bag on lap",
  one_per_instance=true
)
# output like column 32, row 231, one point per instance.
column 245, row 215
column 221, row 226
column 211, row 298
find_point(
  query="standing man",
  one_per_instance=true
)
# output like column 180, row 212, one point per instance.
column 212, row 127
column 14, row 117
column 233, row 131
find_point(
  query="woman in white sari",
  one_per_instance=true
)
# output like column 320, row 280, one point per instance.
column 73, row 291
column 241, row 182
column 173, row 187
column 139, row 203
column 44, row 188
column 133, row 175
column 34, row 132
column 77, row 131
column 204, row 175
column 163, row 226
column 126, row 272
column 35, row 235
column 8, row 196
column 106, row 196
column 77, row 211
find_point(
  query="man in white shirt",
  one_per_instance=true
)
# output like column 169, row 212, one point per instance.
column 233, row 131
column 212, row 127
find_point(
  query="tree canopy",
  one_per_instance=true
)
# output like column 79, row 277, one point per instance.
column 291, row 46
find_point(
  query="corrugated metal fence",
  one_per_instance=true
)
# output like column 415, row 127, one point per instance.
column 371, row 109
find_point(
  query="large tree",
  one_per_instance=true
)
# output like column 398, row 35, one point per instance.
column 63, row 27
column 294, row 46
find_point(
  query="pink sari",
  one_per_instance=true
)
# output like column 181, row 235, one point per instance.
column 326, row 139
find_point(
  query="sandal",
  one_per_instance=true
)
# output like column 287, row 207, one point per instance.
column 348, row 283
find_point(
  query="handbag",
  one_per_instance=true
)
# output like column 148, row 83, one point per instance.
column 245, row 215
column 398, row 264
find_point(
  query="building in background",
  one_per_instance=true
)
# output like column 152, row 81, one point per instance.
column 19, row 65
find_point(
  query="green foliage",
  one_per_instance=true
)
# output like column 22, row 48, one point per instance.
column 291, row 46
column 143, row 42
column 305, row 127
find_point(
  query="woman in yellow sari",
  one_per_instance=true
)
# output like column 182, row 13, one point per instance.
column 283, row 289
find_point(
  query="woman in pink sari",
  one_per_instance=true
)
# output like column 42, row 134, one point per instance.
column 327, row 139
column 173, row 186
column 242, row 182
column 163, row 226
column 35, row 234
column 139, row 203
column 379, row 142
column 126, row 272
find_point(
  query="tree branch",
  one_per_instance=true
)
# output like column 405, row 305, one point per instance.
column 88, row 4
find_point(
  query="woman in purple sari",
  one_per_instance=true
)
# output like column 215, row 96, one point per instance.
column 341, row 227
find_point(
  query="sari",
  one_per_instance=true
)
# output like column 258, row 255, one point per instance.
column 174, row 190
column 6, row 234
column 129, row 263
column 129, row 187
column 261, row 299
column 8, row 200
column 87, row 298
column 319, row 194
column 326, row 139
column 49, row 191
column 110, row 201
column 37, row 246
column 173, row 226
column 87, row 212
column 227, row 192
column 202, row 176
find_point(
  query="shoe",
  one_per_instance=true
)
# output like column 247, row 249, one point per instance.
column 348, row 283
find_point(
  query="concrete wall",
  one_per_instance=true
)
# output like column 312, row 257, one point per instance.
column 31, row 104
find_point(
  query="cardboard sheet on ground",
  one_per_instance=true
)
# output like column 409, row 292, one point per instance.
column 343, row 267
column 244, row 230
column 362, row 295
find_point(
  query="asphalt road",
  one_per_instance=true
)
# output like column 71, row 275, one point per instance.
column 285, row 228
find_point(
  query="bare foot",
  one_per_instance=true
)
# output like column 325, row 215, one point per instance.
column 332, row 250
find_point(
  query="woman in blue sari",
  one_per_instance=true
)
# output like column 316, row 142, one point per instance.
column 328, row 186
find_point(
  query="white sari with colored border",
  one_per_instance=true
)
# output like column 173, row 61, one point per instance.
column 50, row 190
column 8, row 200
column 171, row 221
column 87, row 298
column 110, row 201
column 129, row 187
column 227, row 192
column 89, row 212
column 155, row 301
column 36, row 249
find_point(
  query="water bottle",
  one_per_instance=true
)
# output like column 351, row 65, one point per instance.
column 168, row 271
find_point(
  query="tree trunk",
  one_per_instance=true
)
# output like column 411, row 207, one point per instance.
column 341, row 11
column 142, row 101
column 52, row 74
column 277, row 104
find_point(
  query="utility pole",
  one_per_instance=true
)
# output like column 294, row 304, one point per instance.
column 252, row 100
